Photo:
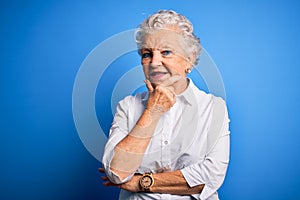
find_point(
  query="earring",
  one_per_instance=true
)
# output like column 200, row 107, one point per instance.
column 188, row 70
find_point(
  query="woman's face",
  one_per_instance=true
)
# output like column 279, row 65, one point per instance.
column 162, row 57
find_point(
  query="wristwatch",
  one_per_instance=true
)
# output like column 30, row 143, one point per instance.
column 146, row 181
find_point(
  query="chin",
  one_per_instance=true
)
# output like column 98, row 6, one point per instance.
column 157, row 81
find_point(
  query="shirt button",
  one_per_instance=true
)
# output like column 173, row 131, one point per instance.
column 166, row 142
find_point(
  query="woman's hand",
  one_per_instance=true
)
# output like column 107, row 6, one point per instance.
column 132, row 185
column 162, row 97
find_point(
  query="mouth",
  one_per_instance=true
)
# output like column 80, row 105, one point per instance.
column 158, row 76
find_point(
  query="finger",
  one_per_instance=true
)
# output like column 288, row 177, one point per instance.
column 108, row 183
column 171, row 97
column 171, row 88
column 149, row 85
column 101, row 170
column 170, row 81
column 104, row 178
column 168, row 92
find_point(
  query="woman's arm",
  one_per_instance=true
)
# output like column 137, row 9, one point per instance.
column 166, row 183
column 202, row 178
column 173, row 183
column 195, row 177
column 128, row 153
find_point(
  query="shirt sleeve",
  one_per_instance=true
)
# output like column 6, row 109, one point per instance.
column 118, row 131
column 211, row 172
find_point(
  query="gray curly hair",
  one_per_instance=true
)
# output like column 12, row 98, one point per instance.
column 166, row 18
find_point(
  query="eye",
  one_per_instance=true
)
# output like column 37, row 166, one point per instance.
column 146, row 55
column 166, row 52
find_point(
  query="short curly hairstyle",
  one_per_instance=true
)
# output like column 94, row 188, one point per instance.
column 167, row 18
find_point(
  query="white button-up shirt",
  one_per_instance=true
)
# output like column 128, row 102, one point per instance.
column 189, row 137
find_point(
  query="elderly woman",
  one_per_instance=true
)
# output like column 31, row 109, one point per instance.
column 171, row 142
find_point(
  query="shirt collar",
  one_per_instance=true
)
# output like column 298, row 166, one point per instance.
column 188, row 95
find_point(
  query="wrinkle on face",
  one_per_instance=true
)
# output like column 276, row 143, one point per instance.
column 162, row 53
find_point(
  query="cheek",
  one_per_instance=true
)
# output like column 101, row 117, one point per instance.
column 146, row 70
column 181, row 70
column 144, row 61
column 178, row 68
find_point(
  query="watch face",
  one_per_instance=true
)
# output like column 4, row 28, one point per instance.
column 146, row 181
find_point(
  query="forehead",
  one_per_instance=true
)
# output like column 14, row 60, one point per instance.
column 163, row 38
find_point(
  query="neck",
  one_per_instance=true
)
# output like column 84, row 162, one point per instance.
column 181, row 86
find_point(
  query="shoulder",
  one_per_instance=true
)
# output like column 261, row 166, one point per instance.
column 200, row 94
column 208, row 100
column 219, row 101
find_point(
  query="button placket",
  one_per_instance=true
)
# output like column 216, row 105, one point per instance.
column 166, row 147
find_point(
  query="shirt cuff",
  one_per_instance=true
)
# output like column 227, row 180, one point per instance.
column 192, row 181
column 116, row 179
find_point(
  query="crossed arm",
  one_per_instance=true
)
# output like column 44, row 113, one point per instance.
column 129, row 152
column 166, row 182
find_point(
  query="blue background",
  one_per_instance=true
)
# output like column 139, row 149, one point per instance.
column 255, row 45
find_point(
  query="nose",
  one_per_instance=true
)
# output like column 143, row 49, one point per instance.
column 156, row 59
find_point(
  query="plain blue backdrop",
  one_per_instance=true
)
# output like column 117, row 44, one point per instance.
column 255, row 45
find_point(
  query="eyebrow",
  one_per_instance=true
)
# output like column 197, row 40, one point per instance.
column 145, row 49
